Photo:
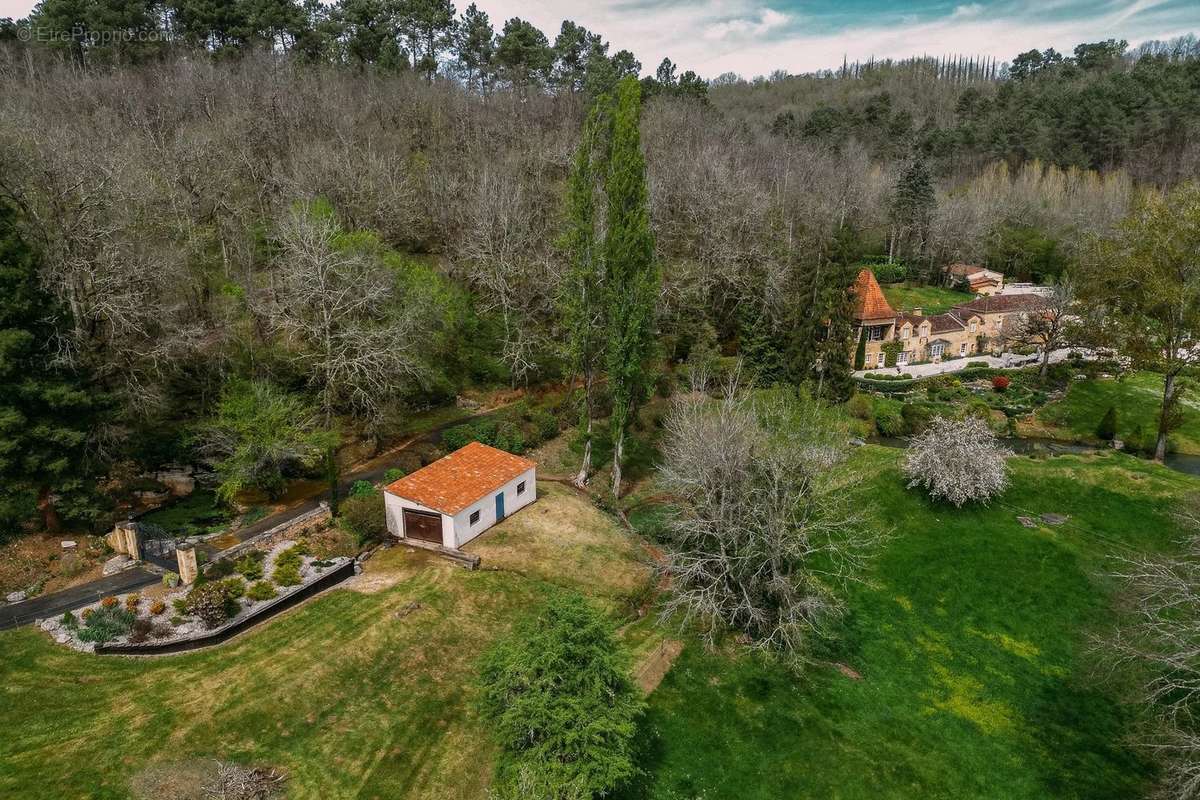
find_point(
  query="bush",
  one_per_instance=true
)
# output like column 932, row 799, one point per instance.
column 140, row 630
column 132, row 602
column 546, row 424
column 983, row 364
column 109, row 602
column 210, row 604
column 170, row 579
column 1000, row 382
column 250, row 566
column 393, row 474
column 889, row 420
column 557, row 696
column 105, row 624
column 362, row 489
column 263, row 590
column 859, row 406
column 1107, row 429
column 365, row 518
column 287, row 566
column 86, row 614
column 71, row 566
column 69, row 621
column 180, row 605
column 916, row 417
column 958, row 460
column 157, row 607
column 220, row 569
column 235, row 588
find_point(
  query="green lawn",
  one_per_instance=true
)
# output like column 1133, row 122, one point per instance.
column 360, row 693
column 1137, row 398
column 970, row 639
column 930, row 299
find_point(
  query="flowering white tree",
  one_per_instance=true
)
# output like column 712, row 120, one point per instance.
column 958, row 460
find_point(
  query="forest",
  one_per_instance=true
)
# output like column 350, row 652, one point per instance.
column 362, row 210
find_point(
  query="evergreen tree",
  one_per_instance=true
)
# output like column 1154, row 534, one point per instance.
column 428, row 25
column 913, row 202
column 45, row 411
column 475, row 47
column 582, row 304
column 1106, row 431
column 631, row 274
column 573, row 49
column 523, row 53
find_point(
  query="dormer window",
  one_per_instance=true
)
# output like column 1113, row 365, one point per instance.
column 905, row 331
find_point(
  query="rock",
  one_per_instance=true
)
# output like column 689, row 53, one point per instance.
column 1081, row 377
column 1054, row 519
column 466, row 402
column 857, row 442
column 179, row 482
column 116, row 564
column 1117, row 444
column 15, row 597
column 1028, row 522
column 68, row 545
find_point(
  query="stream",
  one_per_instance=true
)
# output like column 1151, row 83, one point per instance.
column 1179, row 462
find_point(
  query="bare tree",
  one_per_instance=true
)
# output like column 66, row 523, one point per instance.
column 1049, row 327
column 766, row 528
column 340, row 309
column 1159, row 644
column 958, row 460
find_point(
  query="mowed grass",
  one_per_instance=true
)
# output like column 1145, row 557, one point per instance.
column 971, row 640
column 1137, row 398
column 363, row 692
column 930, row 299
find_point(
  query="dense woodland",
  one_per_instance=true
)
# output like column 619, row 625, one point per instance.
column 365, row 206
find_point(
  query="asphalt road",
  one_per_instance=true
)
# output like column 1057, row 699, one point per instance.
column 28, row 611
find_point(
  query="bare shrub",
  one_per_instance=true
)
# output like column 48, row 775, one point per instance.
column 237, row 782
column 766, row 526
column 958, row 460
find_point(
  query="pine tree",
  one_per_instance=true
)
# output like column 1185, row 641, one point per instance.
column 582, row 302
column 475, row 47
column 1106, row 431
column 913, row 203
column 631, row 274
column 45, row 413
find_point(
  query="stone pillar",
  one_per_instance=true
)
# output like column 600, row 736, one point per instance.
column 185, row 554
column 126, row 537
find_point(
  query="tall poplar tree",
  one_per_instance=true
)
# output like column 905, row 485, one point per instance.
column 631, row 274
column 582, row 302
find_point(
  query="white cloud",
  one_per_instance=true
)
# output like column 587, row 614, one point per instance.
column 768, row 20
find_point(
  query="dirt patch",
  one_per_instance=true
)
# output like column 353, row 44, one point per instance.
column 175, row 780
column 389, row 568
column 38, row 561
column 653, row 667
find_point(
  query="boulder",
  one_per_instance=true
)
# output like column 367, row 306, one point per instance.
column 15, row 597
column 116, row 564
column 68, row 545
column 1117, row 444
column 1028, row 522
column 1054, row 519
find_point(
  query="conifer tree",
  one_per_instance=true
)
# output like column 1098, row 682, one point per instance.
column 631, row 274
column 45, row 413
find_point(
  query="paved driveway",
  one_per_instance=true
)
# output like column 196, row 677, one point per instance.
column 1004, row 361
column 51, row 605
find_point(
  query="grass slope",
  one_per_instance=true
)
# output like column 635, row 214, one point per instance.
column 970, row 641
column 1137, row 398
column 930, row 299
column 359, row 693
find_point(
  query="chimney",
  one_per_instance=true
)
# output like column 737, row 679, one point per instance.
column 917, row 312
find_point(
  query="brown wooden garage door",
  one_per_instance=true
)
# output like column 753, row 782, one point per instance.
column 423, row 525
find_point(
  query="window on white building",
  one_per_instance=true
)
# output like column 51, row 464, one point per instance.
column 875, row 333
column 962, row 349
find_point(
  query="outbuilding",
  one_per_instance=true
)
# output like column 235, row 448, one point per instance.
column 451, row 501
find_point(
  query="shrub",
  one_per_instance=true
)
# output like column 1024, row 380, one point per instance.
column 105, row 624
column 170, row 579
column 1000, row 382
column 180, row 605
column 558, row 699
column 365, row 518
column 140, row 630
column 888, row 418
column 220, row 569
column 983, row 364
column 210, row 604
column 161, row 630
column 109, row 602
column 250, row 566
column 86, row 614
column 262, row 590
column 235, row 588
column 958, row 460
column 157, row 607
column 68, row 620
column 916, row 417
column 1107, row 429
column 286, row 575
column 362, row 489
column 71, row 566
column 546, row 424
column 132, row 602
column 393, row 474
column 177, row 620
column 859, row 406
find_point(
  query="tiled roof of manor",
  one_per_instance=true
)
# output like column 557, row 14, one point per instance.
column 870, row 304
column 1003, row 304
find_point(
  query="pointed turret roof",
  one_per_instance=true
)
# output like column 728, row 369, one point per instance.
column 869, row 303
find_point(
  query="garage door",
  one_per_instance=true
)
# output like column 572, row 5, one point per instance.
column 423, row 525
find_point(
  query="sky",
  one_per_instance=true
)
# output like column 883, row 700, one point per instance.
column 753, row 37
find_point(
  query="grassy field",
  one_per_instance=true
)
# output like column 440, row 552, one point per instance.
column 970, row 641
column 362, row 692
column 930, row 299
column 1137, row 399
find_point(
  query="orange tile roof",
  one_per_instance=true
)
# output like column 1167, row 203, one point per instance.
column 454, row 482
column 869, row 300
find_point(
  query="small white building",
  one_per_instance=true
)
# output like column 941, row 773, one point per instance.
column 458, row 497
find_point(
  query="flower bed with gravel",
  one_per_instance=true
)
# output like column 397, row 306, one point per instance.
column 230, row 592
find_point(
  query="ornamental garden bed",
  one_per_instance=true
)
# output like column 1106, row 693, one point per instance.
column 262, row 583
